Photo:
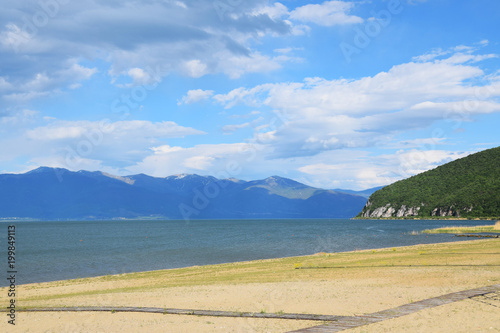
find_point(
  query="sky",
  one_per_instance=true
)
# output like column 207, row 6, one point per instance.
column 334, row 94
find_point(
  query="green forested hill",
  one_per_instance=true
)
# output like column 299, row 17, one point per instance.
column 467, row 187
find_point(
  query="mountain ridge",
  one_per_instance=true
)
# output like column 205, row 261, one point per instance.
column 56, row 193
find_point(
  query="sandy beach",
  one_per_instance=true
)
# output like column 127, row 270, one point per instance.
column 343, row 284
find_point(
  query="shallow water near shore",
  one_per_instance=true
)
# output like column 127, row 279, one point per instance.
column 49, row 251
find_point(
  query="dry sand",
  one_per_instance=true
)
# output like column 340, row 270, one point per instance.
column 371, row 281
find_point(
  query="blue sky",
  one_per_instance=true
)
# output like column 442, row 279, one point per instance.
column 335, row 94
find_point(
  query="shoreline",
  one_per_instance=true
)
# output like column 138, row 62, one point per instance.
column 371, row 250
column 340, row 284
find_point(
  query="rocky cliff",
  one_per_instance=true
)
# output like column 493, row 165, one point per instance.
column 388, row 211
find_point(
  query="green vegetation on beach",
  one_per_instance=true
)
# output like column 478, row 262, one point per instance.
column 462, row 230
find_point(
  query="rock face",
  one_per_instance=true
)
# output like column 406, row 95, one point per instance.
column 449, row 211
column 388, row 211
column 407, row 211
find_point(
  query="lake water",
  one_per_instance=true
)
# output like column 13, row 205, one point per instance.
column 49, row 251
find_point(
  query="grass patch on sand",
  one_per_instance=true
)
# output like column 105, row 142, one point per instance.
column 464, row 230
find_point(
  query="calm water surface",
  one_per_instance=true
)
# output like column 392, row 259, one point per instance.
column 48, row 251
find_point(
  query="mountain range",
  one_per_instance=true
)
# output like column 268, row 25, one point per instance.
column 55, row 193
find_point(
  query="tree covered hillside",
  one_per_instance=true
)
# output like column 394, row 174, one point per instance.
column 467, row 187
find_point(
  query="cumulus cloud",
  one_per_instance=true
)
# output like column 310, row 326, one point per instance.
column 134, row 38
column 141, row 77
column 416, row 161
column 320, row 127
column 43, row 83
column 144, row 41
column 361, row 169
column 232, row 128
column 196, row 95
column 137, row 129
column 355, row 169
column 329, row 13
column 21, row 117
column 220, row 160
column 355, row 113
column 78, row 144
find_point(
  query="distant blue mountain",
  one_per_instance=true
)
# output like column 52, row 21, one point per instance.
column 53, row 193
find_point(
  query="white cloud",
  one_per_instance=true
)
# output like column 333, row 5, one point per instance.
column 57, row 132
column 22, row 117
column 78, row 72
column 243, row 95
column 464, row 108
column 140, row 76
column 43, row 84
column 4, row 84
column 354, row 169
column 137, row 129
column 321, row 168
column 300, row 29
column 21, row 97
column 77, row 144
column 276, row 11
column 248, row 115
column 459, row 54
column 220, row 160
column 329, row 13
column 235, row 66
column 421, row 142
column 195, row 68
column 332, row 114
column 232, row 128
column 180, row 4
column 196, row 95
column 361, row 170
column 416, row 161
column 431, row 55
column 199, row 162
column 461, row 58
column 134, row 38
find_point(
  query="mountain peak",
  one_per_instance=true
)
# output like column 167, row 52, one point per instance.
column 181, row 175
column 44, row 169
column 275, row 178
column 281, row 181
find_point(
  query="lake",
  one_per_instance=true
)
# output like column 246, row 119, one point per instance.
column 49, row 251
